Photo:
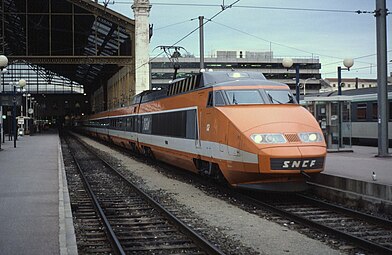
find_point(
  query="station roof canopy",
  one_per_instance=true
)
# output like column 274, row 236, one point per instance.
column 80, row 40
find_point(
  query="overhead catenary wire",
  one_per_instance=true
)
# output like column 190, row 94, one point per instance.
column 280, row 44
column 357, row 68
column 223, row 8
column 174, row 24
column 365, row 56
column 258, row 7
column 238, row 30
column 297, row 49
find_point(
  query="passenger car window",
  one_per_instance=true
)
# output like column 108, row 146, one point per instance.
column 244, row 97
column 361, row 111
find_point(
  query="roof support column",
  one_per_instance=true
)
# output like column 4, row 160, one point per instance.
column 141, row 9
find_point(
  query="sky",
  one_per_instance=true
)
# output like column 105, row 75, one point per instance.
column 332, row 34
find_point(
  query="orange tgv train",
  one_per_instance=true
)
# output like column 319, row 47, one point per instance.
column 232, row 125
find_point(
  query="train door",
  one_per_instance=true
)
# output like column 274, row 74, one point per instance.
column 234, row 141
column 213, row 130
column 209, row 127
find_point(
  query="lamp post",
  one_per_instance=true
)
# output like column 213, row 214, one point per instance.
column 306, row 82
column 21, row 84
column 288, row 63
column 27, row 95
column 3, row 64
column 348, row 63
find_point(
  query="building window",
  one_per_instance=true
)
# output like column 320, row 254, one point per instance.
column 334, row 85
column 361, row 111
column 349, row 85
column 370, row 85
column 363, row 85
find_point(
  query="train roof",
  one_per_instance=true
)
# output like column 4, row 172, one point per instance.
column 219, row 78
column 214, row 78
column 206, row 79
column 356, row 92
column 362, row 94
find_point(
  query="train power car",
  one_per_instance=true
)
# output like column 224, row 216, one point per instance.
column 232, row 125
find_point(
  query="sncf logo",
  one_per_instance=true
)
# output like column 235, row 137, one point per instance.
column 296, row 163
column 299, row 163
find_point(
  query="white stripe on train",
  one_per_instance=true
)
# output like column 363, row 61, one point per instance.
column 206, row 148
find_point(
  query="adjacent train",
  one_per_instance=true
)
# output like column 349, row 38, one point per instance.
column 232, row 125
column 364, row 115
column 360, row 115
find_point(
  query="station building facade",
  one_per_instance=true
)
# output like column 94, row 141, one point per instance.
column 162, row 68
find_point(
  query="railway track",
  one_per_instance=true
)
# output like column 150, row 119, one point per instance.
column 89, row 229
column 363, row 231
column 129, row 221
column 366, row 231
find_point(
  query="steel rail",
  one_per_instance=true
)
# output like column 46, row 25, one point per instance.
column 368, row 245
column 364, row 216
column 118, row 249
column 198, row 239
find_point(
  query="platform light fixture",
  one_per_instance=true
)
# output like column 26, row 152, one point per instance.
column 288, row 63
column 308, row 79
column 3, row 65
column 21, row 84
column 348, row 63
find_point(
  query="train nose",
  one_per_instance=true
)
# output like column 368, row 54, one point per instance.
column 293, row 158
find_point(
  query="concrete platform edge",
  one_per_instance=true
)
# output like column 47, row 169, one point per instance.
column 373, row 196
column 67, row 238
column 371, row 189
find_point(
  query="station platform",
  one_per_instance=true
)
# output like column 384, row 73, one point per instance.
column 35, row 214
column 360, row 164
column 349, row 176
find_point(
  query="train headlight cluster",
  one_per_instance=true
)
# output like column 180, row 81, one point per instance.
column 268, row 138
column 310, row 137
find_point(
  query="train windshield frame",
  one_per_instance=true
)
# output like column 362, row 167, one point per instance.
column 280, row 96
column 244, row 96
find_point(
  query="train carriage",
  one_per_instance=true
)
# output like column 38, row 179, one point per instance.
column 232, row 125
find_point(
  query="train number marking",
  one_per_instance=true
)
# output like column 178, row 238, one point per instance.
column 299, row 163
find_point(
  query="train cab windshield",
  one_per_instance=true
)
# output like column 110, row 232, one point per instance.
column 250, row 97
column 280, row 97
column 244, row 97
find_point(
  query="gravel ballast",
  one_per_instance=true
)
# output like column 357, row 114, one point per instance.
column 224, row 220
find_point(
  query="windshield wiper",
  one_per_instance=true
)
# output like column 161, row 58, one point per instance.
column 291, row 99
column 234, row 100
column 273, row 99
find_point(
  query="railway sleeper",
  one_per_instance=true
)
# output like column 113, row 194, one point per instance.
column 161, row 248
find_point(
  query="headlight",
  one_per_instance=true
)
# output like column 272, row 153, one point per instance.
column 268, row 138
column 310, row 137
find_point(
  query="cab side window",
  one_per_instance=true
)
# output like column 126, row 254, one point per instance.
column 219, row 101
column 215, row 99
column 210, row 100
